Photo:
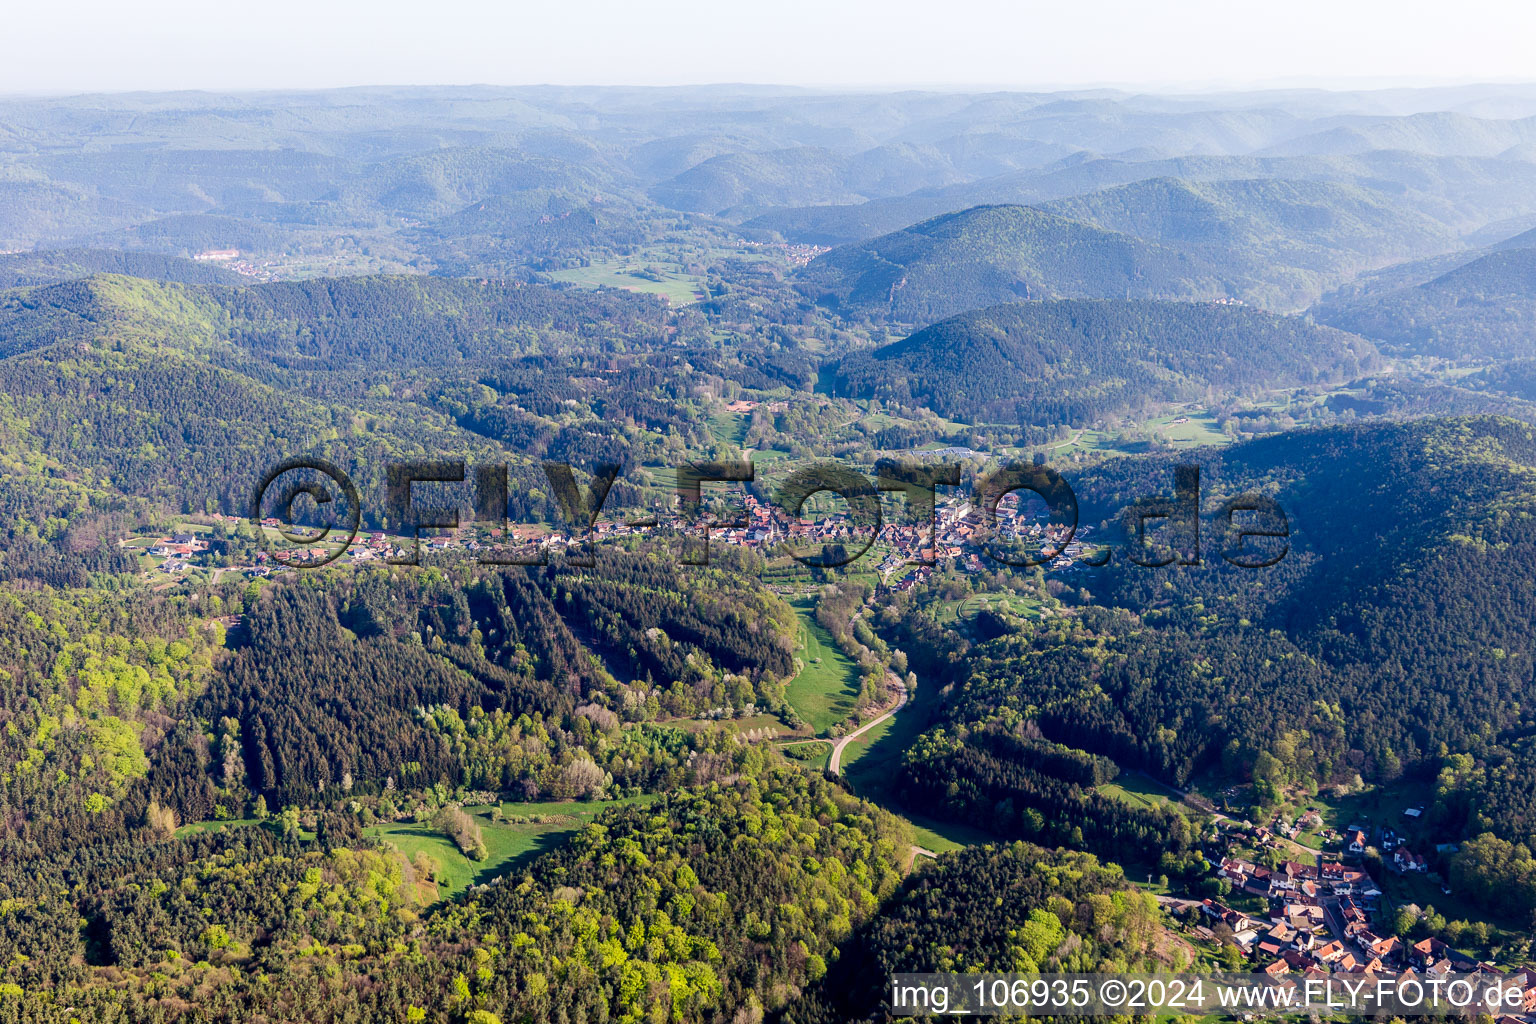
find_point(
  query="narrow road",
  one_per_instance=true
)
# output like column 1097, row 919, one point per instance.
column 1068, row 444
column 835, row 765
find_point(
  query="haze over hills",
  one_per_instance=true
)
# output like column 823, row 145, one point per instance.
column 1479, row 310
column 1464, row 194
column 738, row 183
column 1332, row 230
column 374, row 170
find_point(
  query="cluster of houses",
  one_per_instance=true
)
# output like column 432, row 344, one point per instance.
column 958, row 528
column 178, row 549
column 1315, row 941
column 232, row 260
column 798, row 253
column 1320, row 917
column 1322, row 920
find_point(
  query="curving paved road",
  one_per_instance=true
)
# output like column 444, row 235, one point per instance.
column 835, row 764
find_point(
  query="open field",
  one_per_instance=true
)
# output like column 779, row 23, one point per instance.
column 510, row 844
column 1140, row 791
column 728, row 428
column 825, row 691
column 679, row 289
column 814, row 754
column 969, row 607
column 1372, row 809
column 862, row 744
column 1197, row 428
column 197, row 827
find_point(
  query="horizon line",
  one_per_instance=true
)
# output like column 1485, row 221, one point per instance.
column 1330, row 84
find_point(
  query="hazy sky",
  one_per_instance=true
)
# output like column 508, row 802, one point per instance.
column 85, row 45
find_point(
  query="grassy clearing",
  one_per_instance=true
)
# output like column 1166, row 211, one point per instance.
column 814, row 754
column 948, row 611
column 1140, row 791
column 770, row 723
column 1196, row 429
column 1374, row 808
column 510, row 845
column 197, row 827
column 679, row 289
column 860, row 746
column 944, row 836
column 826, row 690
column 729, row 428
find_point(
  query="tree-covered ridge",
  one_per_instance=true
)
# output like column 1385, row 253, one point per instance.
column 336, row 322
column 1021, row 787
column 992, row 254
column 728, row 896
column 94, row 683
column 732, row 897
column 100, row 431
column 516, row 681
column 1516, row 377
column 1299, row 237
column 1394, row 629
column 1481, row 310
column 49, row 266
column 422, row 320
column 1013, row 907
column 1072, row 362
column 543, row 227
column 120, row 396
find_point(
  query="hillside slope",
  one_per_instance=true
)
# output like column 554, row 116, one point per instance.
column 991, row 254
column 1481, row 310
column 1326, row 230
column 1073, row 361
column 1395, row 629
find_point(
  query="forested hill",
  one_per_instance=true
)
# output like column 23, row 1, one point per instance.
column 991, row 254
column 1048, row 910
column 1393, row 639
column 332, row 323
column 1482, row 310
column 1398, row 622
column 1302, row 236
column 1073, row 361
column 48, row 266
column 117, row 390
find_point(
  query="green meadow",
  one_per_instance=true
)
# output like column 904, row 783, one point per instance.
column 826, row 689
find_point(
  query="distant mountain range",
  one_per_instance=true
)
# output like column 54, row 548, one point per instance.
column 401, row 174
column 1328, row 229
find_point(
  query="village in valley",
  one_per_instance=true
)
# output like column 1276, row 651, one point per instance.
column 905, row 553
column 1289, row 911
